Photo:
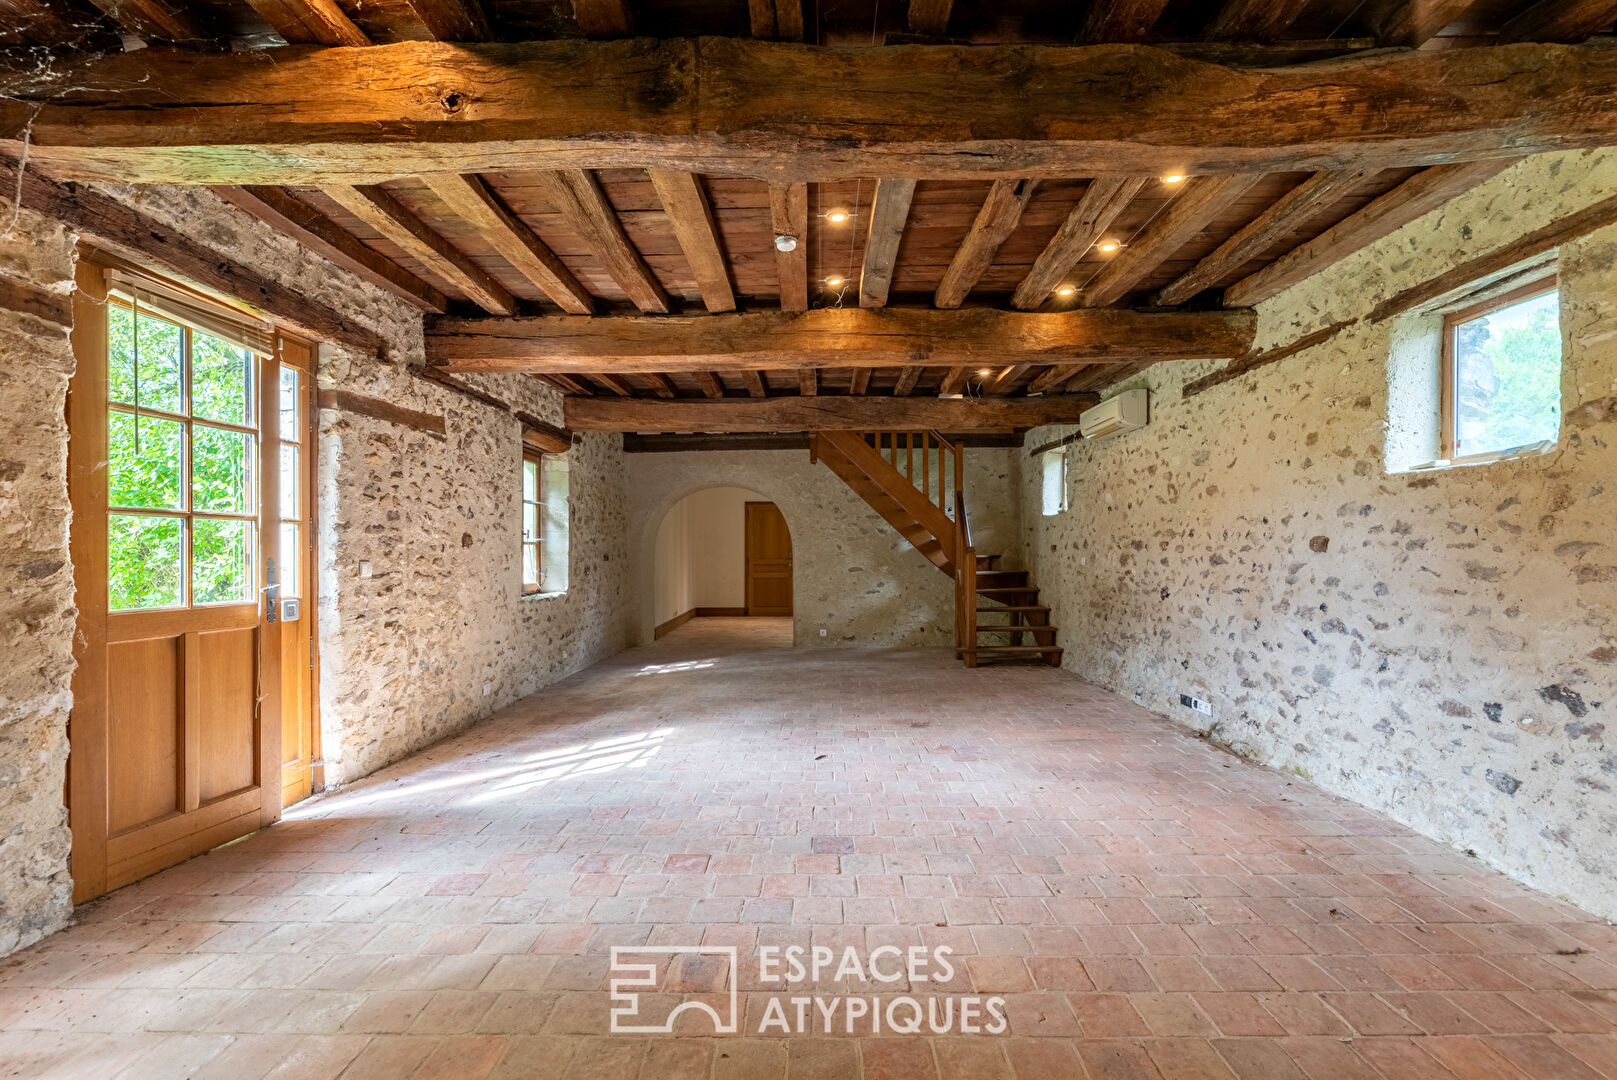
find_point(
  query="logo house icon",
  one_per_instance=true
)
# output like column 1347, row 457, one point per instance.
column 629, row 977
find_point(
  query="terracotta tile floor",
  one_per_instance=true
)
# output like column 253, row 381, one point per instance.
column 1146, row 904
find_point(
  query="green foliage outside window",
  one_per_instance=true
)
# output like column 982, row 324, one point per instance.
column 1508, row 377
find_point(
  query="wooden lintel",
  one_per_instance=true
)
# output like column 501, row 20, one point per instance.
column 348, row 401
column 832, row 338
column 789, row 112
column 24, row 299
column 823, row 413
column 542, row 435
column 635, row 443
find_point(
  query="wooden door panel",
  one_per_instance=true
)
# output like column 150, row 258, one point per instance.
column 145, row 734
column 769, row 561
column 225, row 699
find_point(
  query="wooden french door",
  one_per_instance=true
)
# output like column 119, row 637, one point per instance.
column 180, row 477
column 769, row 561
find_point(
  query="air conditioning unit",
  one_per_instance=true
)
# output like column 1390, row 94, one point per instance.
column 1125, row 412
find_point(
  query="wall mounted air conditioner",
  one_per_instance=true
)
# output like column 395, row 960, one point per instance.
column 1125, row 412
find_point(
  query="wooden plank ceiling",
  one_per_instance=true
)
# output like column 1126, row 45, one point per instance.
column 605, row 243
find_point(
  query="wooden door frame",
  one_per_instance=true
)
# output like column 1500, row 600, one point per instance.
column 746, row 553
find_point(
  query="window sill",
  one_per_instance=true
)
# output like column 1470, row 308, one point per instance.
column 1532, row 450
column 543, row 595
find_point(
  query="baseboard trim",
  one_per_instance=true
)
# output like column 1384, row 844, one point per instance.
column 715, row 612
column 673, row 624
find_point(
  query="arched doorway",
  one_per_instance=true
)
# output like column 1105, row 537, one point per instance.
column 721, row 550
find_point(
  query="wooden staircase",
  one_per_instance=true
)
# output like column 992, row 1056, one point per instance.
column 913, row 479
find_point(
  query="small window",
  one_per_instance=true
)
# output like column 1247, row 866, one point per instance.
column 533, row 506
column 1501, row 369
column 1054, row 465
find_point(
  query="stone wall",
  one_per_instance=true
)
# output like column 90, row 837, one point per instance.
column 1439, row 646
column 36, row 589
column 853, row 576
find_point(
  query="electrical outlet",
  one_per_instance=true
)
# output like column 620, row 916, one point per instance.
column 822, row 633
column 1203, row 707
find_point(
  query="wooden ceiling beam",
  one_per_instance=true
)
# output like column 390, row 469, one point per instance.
column 382, row 212
column 1254, row 20
column 1119, row 20
column 290, row 216
column 660, row 384
column 710, row 384
column 1257, row 236
column 613, row 383
column 578, row 197
column 954, row 381
column 837, row 413
column 452, row 20
column 1053, row 376
column 1000, row 214
column 788, row 216
column 832, row 338
column 889, row 210
column 859, row 380
column 1412, row 23
column 689, row 212
column 1202, row 199
column 1423, row 192
column 604, row 18
column 907, row 378
column 1561, row 20
column 567, row 385
column 791, row 113
column 310, row 22
column 40, row 22
column 1003, row 380
column 808, row 382
column 754, row 381
column 776, row 20
column 471, row 200
column 158, row 20
column 930, row 17
column 1104, row 199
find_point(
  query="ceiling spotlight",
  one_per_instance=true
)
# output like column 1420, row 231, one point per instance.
column 837, row 217
column 1173, row 178
column 1065, row 290
column 834, row 282
column 1106, row 247
column 785, row 243
column 985, row 372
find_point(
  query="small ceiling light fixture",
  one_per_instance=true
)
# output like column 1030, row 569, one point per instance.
column 1174, row 178
column 785, row 243
column 834, row 282
column 1106, row 247
column 985, row 372
column 838, row 216
column 1065, row 290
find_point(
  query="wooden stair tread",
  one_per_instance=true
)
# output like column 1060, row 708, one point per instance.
column 1014, row 608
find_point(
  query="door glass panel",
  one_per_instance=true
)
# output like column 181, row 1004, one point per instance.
column 144, row 561
column 290, row 582
column 160, row 347
column 219, row 561
column 144, row 461
column 220, row 467
column 221, row 378
column 530, row 563
column 530, row 521
column 289, row 481
column 289, row 404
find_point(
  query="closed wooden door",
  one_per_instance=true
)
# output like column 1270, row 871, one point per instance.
column 769, row 561
column 174, row 475
column 294, row 514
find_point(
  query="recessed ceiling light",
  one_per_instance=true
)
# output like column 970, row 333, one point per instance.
column 834, row 282
column 1107, row 246
column 837, row 217
column 1065, row 290
column 1173, row 178
column 986, row 371
column 785, row 243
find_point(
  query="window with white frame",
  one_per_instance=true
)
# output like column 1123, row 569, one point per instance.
column 1501, row 371
column 1053, row 466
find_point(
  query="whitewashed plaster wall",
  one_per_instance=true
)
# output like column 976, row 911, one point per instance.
column 853, row 576
column 700, row 558
column 1441, row 646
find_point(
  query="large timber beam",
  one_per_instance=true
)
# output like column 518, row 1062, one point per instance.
column 832, row 338
column 838, row 413
column 788, row 112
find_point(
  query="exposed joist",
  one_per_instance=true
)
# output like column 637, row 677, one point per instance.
column 1104, row 199
column 1119, row 20
column 788, row 216
column 996, row 220
column 471, row 200
column 859, row 380
column 955, row 380
column 688, row 211
column 1003, row 380
column 1561, row 20
column 660, row 384
column 568, row 385
column 382, row 212
column 310, row 22
column 930, row 17
column 578, row 197
column 39, row 22
column 776, row 20
column 1258, row 235
column 789, row 113
column 754, row 382
column 127, row 232
column 613, row 383
column 157, row 20
column 1052, row 377
column 1421, row 193
column 889, row 210
column 907, row 378
column 604, row 18
column 710, row 384
column 838, row 413
column 634, row 443
column 832, row 338
column 1202, row 199
column 287, row 214
column 1412, row 23
column 452, row 20
column 1254, row 20
column 808, row 382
